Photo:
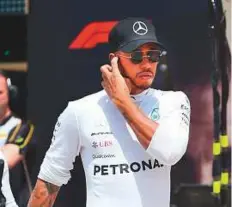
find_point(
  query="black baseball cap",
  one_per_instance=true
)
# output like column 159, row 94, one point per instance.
column 130, row 33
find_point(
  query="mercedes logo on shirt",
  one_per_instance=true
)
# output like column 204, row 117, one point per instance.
column 140, row 28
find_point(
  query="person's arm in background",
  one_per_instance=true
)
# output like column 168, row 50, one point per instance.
column 58, row 161
column 12, row 154
column 17, row 144
column 5, row 193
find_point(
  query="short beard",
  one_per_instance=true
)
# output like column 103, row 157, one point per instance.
column 142, row 87
column 125, row 75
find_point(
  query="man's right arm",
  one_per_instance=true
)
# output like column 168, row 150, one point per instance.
column 58, row 161
column 43, row 195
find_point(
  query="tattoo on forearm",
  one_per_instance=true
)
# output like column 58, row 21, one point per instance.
column 51, row 188
column 43, row 195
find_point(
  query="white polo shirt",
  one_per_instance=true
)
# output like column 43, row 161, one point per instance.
column 118, row 170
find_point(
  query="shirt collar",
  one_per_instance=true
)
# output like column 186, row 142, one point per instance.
column 6, row 119
column 139, row 97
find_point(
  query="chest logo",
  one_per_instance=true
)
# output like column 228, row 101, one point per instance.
column 102, row 144
column 155, row 114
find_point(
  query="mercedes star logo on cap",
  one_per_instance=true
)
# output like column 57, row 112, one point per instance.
column 140, row 28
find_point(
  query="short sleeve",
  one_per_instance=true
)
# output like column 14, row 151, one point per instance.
column 64, row 148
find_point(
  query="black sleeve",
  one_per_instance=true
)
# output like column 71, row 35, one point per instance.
column 21, row 135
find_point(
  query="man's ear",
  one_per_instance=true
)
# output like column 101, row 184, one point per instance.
column 111, row 56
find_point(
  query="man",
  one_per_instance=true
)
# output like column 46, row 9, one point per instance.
column 6, row 196
column 15, row 139
column 128, row 135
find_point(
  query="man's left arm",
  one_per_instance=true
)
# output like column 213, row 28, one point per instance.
column 168, row 139
column 17, row 145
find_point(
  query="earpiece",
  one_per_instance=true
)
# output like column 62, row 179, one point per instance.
column 12, row 89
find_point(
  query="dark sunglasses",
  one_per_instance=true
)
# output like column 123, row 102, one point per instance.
column 137, row 56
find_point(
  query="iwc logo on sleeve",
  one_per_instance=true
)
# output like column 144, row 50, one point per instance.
column 155, row 114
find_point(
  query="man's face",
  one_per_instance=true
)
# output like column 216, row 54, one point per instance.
column 142, row 74
column 3, row 92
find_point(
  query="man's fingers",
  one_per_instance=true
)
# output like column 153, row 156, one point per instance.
column 105, row 72
column 114, row 64
column 106, row 69
column 103, row 84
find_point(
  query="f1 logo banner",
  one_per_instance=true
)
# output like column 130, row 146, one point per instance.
column 92, row 34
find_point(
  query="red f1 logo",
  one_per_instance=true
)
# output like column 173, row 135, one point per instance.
column 92, row 34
